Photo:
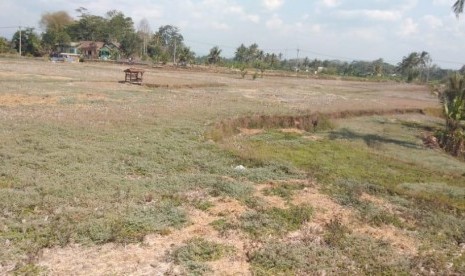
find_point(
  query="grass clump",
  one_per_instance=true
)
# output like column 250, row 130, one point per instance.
column 222, row 225
column 333, row 161
column 336, row 233
column 284, row 190
column 202, row 205
column 193, row 255
column 275, row 221
column 142, row 221
column 352, row 255
column 376, row 216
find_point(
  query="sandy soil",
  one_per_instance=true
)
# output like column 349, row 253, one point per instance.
column 184, row 89
column 151, row 256
column 299, row 93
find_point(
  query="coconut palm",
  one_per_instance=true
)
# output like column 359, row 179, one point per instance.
column 241, row 54
column 186, row 56
column 453, row 100
column 409, row 66
column 214, row 55
column 458, row 7
column 414, row 64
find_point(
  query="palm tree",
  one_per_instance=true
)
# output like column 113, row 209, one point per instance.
column 414, row 64
column 453, row 102
column 241, row 54
column 424, row 63
column 214, row 55
column 186, row 56
column 458, row 7
column 408, row 66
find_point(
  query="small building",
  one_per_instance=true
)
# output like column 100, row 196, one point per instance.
column 110, row 51
column 90, row 49
column 71, row 48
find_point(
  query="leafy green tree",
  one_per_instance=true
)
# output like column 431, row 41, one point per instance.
column 5, row 45
column 253, row 53
column 165, row 43
column 130, row 44
column 271, row 59
column 88, row 27
column 214, row 56
column 30, row 42
column 55, row 25
column 157, row 53
column 241, row 54
column 378, row 67
column 118, row 26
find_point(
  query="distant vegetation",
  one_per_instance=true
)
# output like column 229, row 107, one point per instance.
column 167, row 44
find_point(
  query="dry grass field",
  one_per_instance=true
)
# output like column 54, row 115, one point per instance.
column 100, row 177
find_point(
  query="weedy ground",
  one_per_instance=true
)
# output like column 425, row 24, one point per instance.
column 102, row 177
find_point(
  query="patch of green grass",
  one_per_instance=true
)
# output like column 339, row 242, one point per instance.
column 196, row 252
column 331, row 161
column 275, row 221
column 335, row 233
column 222, row 225
column 202, row 205
column 29, row 270
column 284, row 190
column 353, row 255
column 376, row 216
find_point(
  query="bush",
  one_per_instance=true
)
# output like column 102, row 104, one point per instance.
column 275, row 221
column 196, row 252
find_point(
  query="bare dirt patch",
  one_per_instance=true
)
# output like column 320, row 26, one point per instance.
column 271, row 200
column 326, row 210
column 20, row 99
column 12, row 100
column 151, row 257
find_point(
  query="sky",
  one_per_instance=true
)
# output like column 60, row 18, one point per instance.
column 324, row 29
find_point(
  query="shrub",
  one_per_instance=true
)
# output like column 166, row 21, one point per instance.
column 275, row 221
column 196, row 251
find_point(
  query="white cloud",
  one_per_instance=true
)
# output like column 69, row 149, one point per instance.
column 378, row 15
column 408, row 27
column 272, row 4
column 220, row 26
column 433, row 21
column 239, row 10
column 442, row 2
column 275, row 23
column 253, row 18
column 316, row 28
column 368, row 33
column 330, row 3
column 408, row 5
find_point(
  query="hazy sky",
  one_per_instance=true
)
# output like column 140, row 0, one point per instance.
column 325, row 29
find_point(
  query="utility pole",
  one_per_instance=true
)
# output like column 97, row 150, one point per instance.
column 297, row 61
column 174, row 53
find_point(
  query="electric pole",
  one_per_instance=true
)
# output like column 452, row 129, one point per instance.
column 297, row 61
column 174, row 53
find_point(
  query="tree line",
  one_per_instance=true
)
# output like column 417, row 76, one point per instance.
column 166, row 44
